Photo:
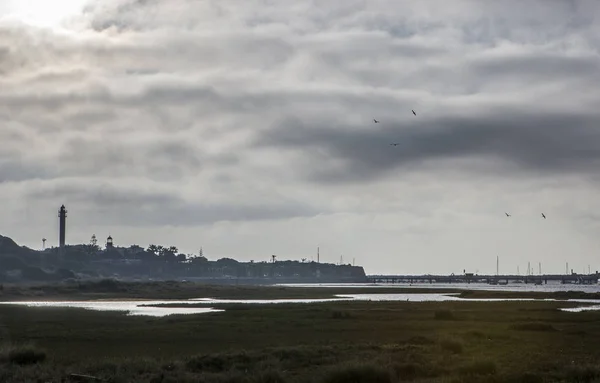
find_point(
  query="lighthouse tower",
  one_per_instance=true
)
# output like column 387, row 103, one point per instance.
column 62, row 221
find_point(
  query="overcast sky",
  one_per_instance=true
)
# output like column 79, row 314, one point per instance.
column 246, row 127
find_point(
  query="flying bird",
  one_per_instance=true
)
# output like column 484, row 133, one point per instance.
column 543, row 216
column 395, row 144
column 376, row 121
column 414, row 112
column 508, row 215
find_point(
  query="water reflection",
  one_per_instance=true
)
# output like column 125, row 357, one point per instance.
column 581, row 309
column 154, row 308
column 145, row 307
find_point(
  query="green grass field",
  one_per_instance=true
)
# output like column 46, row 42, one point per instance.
column 322, row 342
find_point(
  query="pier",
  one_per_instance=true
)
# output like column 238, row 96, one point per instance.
column 583, row 279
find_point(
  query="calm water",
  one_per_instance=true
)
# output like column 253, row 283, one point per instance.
column 131, row 307
column 147, row 307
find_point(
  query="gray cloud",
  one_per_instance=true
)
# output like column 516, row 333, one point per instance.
column 15, row 170
column 140, row 204
column 538, row 66
column 533, row 142
column 152, row 114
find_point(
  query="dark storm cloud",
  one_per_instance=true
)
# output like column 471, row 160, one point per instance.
column 112, row 203
column 549, row 142
column 536, row 66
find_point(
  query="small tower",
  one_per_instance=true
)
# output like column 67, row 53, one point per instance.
column 109, row 242
column 62, row 220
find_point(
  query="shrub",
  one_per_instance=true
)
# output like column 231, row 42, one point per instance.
column 451, row 345
column 340, row 314
column 479, row 367
column 366, row 373
column 475, row 334
column 270, row 376
column 207, row 363
column 528, row 377
column 411, row 371
column 582, row 374
column 21, row 355
column 444, row 315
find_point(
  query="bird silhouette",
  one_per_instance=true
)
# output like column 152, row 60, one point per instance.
column 414, row 113
column 508, row 215
column 395, row 144
column 543, row 216
column 376, row 121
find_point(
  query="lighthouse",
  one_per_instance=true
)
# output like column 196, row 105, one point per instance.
column 62, row 221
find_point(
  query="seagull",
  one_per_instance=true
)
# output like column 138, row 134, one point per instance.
column 414, row 112
column 543, row 216
column 508, row 215
column 395, row 144
column 376, row 121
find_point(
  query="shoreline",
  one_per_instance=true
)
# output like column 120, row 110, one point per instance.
column 110, row 290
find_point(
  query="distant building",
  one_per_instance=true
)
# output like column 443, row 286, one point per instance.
column 109, row 243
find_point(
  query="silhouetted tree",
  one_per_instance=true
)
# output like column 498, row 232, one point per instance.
column 154, row 249
column 168, row 253
column 93, row 247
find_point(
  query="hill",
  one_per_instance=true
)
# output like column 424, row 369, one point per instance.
column 21, row 264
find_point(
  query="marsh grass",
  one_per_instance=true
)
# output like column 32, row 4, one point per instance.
column 359, row 373
column 544, row 327
column 288, row 343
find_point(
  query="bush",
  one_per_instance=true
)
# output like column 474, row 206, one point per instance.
column 270, row 376
column 479, row 367
column 475, row 334
column 453, row 346
column 21, row 355
column 444, row 315
column 582, row 374
column 340, row 314
column 207, row 363
column 366, row 373
column 528, row 377
column 411, row 371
